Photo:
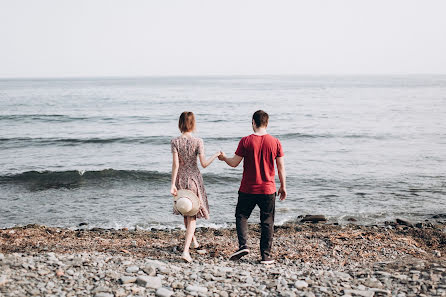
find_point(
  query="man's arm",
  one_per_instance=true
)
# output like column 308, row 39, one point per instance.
column 282, row 177
column 233, row 162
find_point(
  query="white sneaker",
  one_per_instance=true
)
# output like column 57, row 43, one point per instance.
column 267, row 261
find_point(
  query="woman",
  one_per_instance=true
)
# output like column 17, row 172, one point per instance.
column 186, row 175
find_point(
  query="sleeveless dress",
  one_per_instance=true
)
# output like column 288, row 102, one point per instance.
column 189, row 176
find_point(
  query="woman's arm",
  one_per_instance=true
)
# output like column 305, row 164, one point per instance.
column 205, row 163
column 175, row 165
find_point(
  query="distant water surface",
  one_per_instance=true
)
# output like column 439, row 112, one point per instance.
column 98, row 150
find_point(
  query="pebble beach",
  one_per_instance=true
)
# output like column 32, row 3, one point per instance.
column 312, row 259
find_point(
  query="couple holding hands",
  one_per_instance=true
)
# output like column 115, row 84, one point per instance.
column 259, row 151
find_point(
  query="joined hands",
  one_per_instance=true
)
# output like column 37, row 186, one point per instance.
column 222, row 156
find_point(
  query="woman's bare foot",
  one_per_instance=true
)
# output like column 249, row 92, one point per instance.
column 186, row 257
column 195, row 244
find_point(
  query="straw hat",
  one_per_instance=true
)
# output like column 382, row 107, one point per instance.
column 186, row 202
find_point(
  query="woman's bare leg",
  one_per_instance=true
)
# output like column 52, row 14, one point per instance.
column 194, row 239
column 190, row 230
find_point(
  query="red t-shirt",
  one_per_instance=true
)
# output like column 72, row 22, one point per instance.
column 259, row 153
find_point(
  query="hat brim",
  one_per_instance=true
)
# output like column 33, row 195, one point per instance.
column 192, row 197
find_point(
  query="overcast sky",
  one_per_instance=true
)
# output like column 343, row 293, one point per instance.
column 58, row 38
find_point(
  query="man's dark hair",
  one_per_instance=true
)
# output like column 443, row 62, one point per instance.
column 260, row 118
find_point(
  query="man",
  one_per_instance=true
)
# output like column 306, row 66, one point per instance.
column 259, row 151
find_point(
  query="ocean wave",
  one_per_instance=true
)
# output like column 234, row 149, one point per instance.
column 76, row 178
column 154, row 140
column 327, row 135
column 42, row 141
column 72, row 178
column 91, row 118
column 41, row 117
column 14, row 142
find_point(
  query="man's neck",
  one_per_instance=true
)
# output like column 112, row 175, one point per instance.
column 260, row 131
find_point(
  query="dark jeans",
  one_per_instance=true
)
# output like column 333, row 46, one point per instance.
column 245, row 205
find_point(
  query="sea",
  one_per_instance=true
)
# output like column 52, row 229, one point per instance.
column 96, row 151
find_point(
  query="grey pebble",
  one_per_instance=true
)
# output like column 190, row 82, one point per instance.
column 149, row 281
column 198, row 289
column 288, row 294
column 132, row 269
column 149, row 270
column 101, row 289
column 300, row 284
column 70, row 272
column 163, row 292
column 177, row 285
column 372, row 283
column 3, row 280
column 342, row 275
column 103, row 294
column 362, row 293
column 127, row 279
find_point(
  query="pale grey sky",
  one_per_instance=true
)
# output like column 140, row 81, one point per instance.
column 60, row 38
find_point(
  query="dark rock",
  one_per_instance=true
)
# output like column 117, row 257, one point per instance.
column 314, row 218
column 439, row 216
column 352, row 220
column 83, row 224
column 33, row 226
column 403, row 222
column 419, row 225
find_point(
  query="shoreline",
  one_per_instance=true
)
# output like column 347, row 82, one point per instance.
column 311, row 260
column 343, row 220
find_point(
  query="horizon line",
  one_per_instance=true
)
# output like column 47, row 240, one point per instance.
column 215, row 75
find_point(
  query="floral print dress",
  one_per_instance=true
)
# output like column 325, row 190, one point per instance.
column 189, row 176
